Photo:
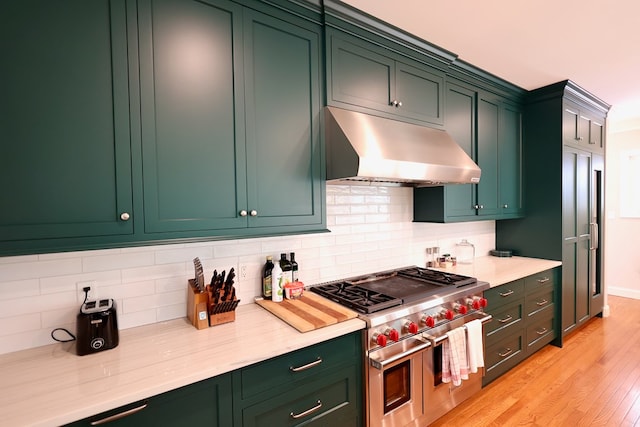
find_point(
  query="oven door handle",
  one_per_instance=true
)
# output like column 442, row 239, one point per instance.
column 379, row 361
column 437, row 340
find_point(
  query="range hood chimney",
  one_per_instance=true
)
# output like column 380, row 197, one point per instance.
column 370, row 150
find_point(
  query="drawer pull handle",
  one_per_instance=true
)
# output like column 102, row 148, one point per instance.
column 120, row 415
column 307, row 412
column 307, row 366
column 506, row 353
column 541, row 303
column 506, row 294
column 544, row 280
column 506, row 319
column 542, row 331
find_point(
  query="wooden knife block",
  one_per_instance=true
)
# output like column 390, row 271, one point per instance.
column 200, row 305
column 197, row 306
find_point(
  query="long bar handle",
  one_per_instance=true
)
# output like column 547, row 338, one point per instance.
column 594, row 236
column 307, row 366
column 435, row 341
column 380, row 364
column 307, row 412
column 506, row 294
column 119, row 415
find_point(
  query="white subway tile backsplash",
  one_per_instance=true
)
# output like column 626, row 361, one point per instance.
column 17, row 324
column 37, row 269
column 155, row 272
column 19, row 289
column 117, row 261
column 371, row 230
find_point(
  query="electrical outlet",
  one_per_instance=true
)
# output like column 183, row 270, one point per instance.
column 93, row 290
column 243, row 271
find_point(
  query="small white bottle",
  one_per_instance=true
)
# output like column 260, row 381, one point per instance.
column 277, row 283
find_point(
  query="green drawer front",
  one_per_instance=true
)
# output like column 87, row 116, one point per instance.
column 537, row 302
column 278, row 372
column 505, row 354
column 334, row 396
column 540, row 333
column 505, row 320
column 504, row 294
column 544, row 280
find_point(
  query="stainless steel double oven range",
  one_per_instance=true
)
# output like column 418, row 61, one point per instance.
column 408, row 312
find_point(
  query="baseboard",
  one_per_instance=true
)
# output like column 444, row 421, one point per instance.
column 623, row 292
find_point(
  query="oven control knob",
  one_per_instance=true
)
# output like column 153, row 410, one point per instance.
column 449, row 315
column 475, row 304
column 478, row 303
column 483, row 302
column 392, row 334
column 459, row 308
column 429, row 321
column 380, row 339
column 412, row 327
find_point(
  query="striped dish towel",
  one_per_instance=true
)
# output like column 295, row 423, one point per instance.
column 454, row 357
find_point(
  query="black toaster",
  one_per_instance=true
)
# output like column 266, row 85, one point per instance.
column 97, row 327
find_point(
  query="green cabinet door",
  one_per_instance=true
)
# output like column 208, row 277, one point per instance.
column 359, row 77
column 510, row 162
column 65, row 157
column 367, row 77
column 285, row 161
column 193, row 147
column 206, row 403
column 419, row 93
column 576, row 293
column 488, row 134
column 460, row 200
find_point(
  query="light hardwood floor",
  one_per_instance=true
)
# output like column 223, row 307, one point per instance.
column 594, row 380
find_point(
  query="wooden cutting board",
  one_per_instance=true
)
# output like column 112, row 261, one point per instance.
column 309, row 312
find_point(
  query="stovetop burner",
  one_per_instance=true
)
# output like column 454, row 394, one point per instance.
column 371, row 293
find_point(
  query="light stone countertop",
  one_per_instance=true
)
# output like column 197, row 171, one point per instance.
column 50, row 385
column 498, row 271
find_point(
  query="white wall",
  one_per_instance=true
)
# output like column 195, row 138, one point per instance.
column 371, row 230
column 622, row 234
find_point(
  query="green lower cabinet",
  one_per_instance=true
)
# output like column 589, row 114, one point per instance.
column 319, row 385
column 327, row 401
column 206, row 403
column 525, row 314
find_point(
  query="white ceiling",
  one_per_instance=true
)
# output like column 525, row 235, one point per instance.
column 534, row 43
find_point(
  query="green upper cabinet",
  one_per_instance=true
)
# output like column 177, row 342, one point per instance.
column 231, row 135
column 285, row 161
column 510, row 183
column 365, row 76
column 65, row 157
column 488, row 136
column 582, row 128
column 489, row 129
column 139, row 121
column 231, row 102
column 194, row 165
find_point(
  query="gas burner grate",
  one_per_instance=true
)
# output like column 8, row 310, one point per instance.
column 359, row 299
column 438, row 277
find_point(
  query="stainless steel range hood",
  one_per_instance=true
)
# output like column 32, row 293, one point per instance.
column 365, row 149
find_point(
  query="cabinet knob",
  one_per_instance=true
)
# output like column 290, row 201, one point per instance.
column 253, row 213
column 478, row 207
column 243, row 213
column 125, row 216
column 505, row 206
column 396, row 103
